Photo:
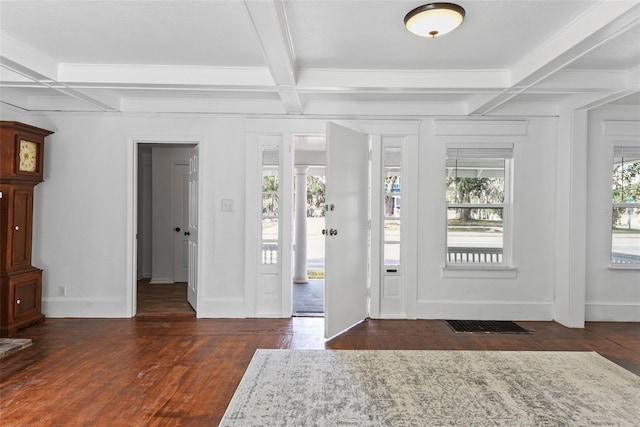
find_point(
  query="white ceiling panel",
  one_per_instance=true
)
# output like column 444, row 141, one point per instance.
column 316, row 57
column 204, row 33
column 371, row 34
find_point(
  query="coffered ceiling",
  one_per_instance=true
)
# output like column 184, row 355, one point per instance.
column 317, row 57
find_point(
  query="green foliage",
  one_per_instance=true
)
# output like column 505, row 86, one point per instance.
column 315, row 195
column 269, row 183
column 480, row 190
column 626, row 186
column 626, row 182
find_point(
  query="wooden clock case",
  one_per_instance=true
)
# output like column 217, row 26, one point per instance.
column 20, row 282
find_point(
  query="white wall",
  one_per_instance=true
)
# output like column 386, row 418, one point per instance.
column 613, row 294
column 81, row 235
column 82, row 209
column 530, row 294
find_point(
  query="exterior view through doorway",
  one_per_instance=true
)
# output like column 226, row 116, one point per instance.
column 309, row 223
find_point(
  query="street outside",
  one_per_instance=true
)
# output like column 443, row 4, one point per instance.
column 621, row 242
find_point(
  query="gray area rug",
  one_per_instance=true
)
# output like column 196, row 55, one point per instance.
column 433, row 388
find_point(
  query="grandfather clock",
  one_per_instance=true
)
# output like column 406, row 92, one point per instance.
column 21, row 167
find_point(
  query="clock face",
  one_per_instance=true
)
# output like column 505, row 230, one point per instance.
column 28, row 156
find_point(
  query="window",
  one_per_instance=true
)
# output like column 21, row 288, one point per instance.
column 625, row 227
column 270, row 200
column 478, row 201
column 392, row 189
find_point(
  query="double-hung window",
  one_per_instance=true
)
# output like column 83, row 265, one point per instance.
column 625, row 227
column 478, row 196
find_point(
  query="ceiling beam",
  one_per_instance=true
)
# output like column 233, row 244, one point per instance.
column 601, row 23
column 33, row 65
column 270, row 23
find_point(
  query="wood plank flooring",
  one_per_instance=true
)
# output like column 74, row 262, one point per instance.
column 183, row 371
column 161, row 300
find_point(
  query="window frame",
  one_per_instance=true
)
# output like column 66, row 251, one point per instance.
column 267, row 257
column 400, row 217
column 504, row 152
column 621, row 151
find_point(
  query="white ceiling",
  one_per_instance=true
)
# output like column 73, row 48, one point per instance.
column 317, row 57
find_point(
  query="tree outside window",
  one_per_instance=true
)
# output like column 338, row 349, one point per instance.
column 625, row 215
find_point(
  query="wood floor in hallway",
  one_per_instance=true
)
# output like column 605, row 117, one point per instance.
column 162, row 299
column 183, row 371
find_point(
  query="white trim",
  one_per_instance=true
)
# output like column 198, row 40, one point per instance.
column 621, row 127
column 481, row 127
column 160, row 280
column 221, row 308
column 612, row 312
column 491, row 310
column 376, row 224
column 477, row 272
column 624, row 267
column 64, row 307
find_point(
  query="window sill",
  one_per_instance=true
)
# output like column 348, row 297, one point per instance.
column 477, row 272
column 624, row 266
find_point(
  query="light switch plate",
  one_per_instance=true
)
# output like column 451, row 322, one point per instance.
column 227, row 205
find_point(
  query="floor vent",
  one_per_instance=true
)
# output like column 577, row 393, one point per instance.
column 486, row 327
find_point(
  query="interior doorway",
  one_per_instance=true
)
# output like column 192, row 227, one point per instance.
column 163, row 225
column 309, row 218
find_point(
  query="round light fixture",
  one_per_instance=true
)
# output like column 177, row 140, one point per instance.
column 434, row 19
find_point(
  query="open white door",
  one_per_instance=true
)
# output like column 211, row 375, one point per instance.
column 192, row 232
column 346, row 228
column 179, row 215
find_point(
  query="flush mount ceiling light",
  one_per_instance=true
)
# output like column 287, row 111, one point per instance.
column 434, row 19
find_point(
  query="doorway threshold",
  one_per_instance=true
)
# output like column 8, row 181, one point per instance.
column 308, row 314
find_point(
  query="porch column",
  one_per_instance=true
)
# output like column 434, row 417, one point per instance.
column 300, row 266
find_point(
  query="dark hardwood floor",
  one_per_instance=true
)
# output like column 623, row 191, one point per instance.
column 162, row 300
column 183, row 371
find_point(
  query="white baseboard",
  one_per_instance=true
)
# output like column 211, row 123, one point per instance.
column 160, row 281
column 612, row 312
column 59, row 307
column 542, row 311
column 221, row 308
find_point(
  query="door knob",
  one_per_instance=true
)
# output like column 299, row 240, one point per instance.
column 324, row 231
column 187, row 233
column 333, row 232
column 177, row 229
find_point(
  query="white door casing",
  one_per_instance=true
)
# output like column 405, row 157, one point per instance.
column 179, row 215
column 346, row 225
column 192, row 229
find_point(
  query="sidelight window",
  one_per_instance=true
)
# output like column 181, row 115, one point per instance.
column 392, row 197
column 270, row 201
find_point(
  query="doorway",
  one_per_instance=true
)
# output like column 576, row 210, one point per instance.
column 163, row 230
column 309, row 214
